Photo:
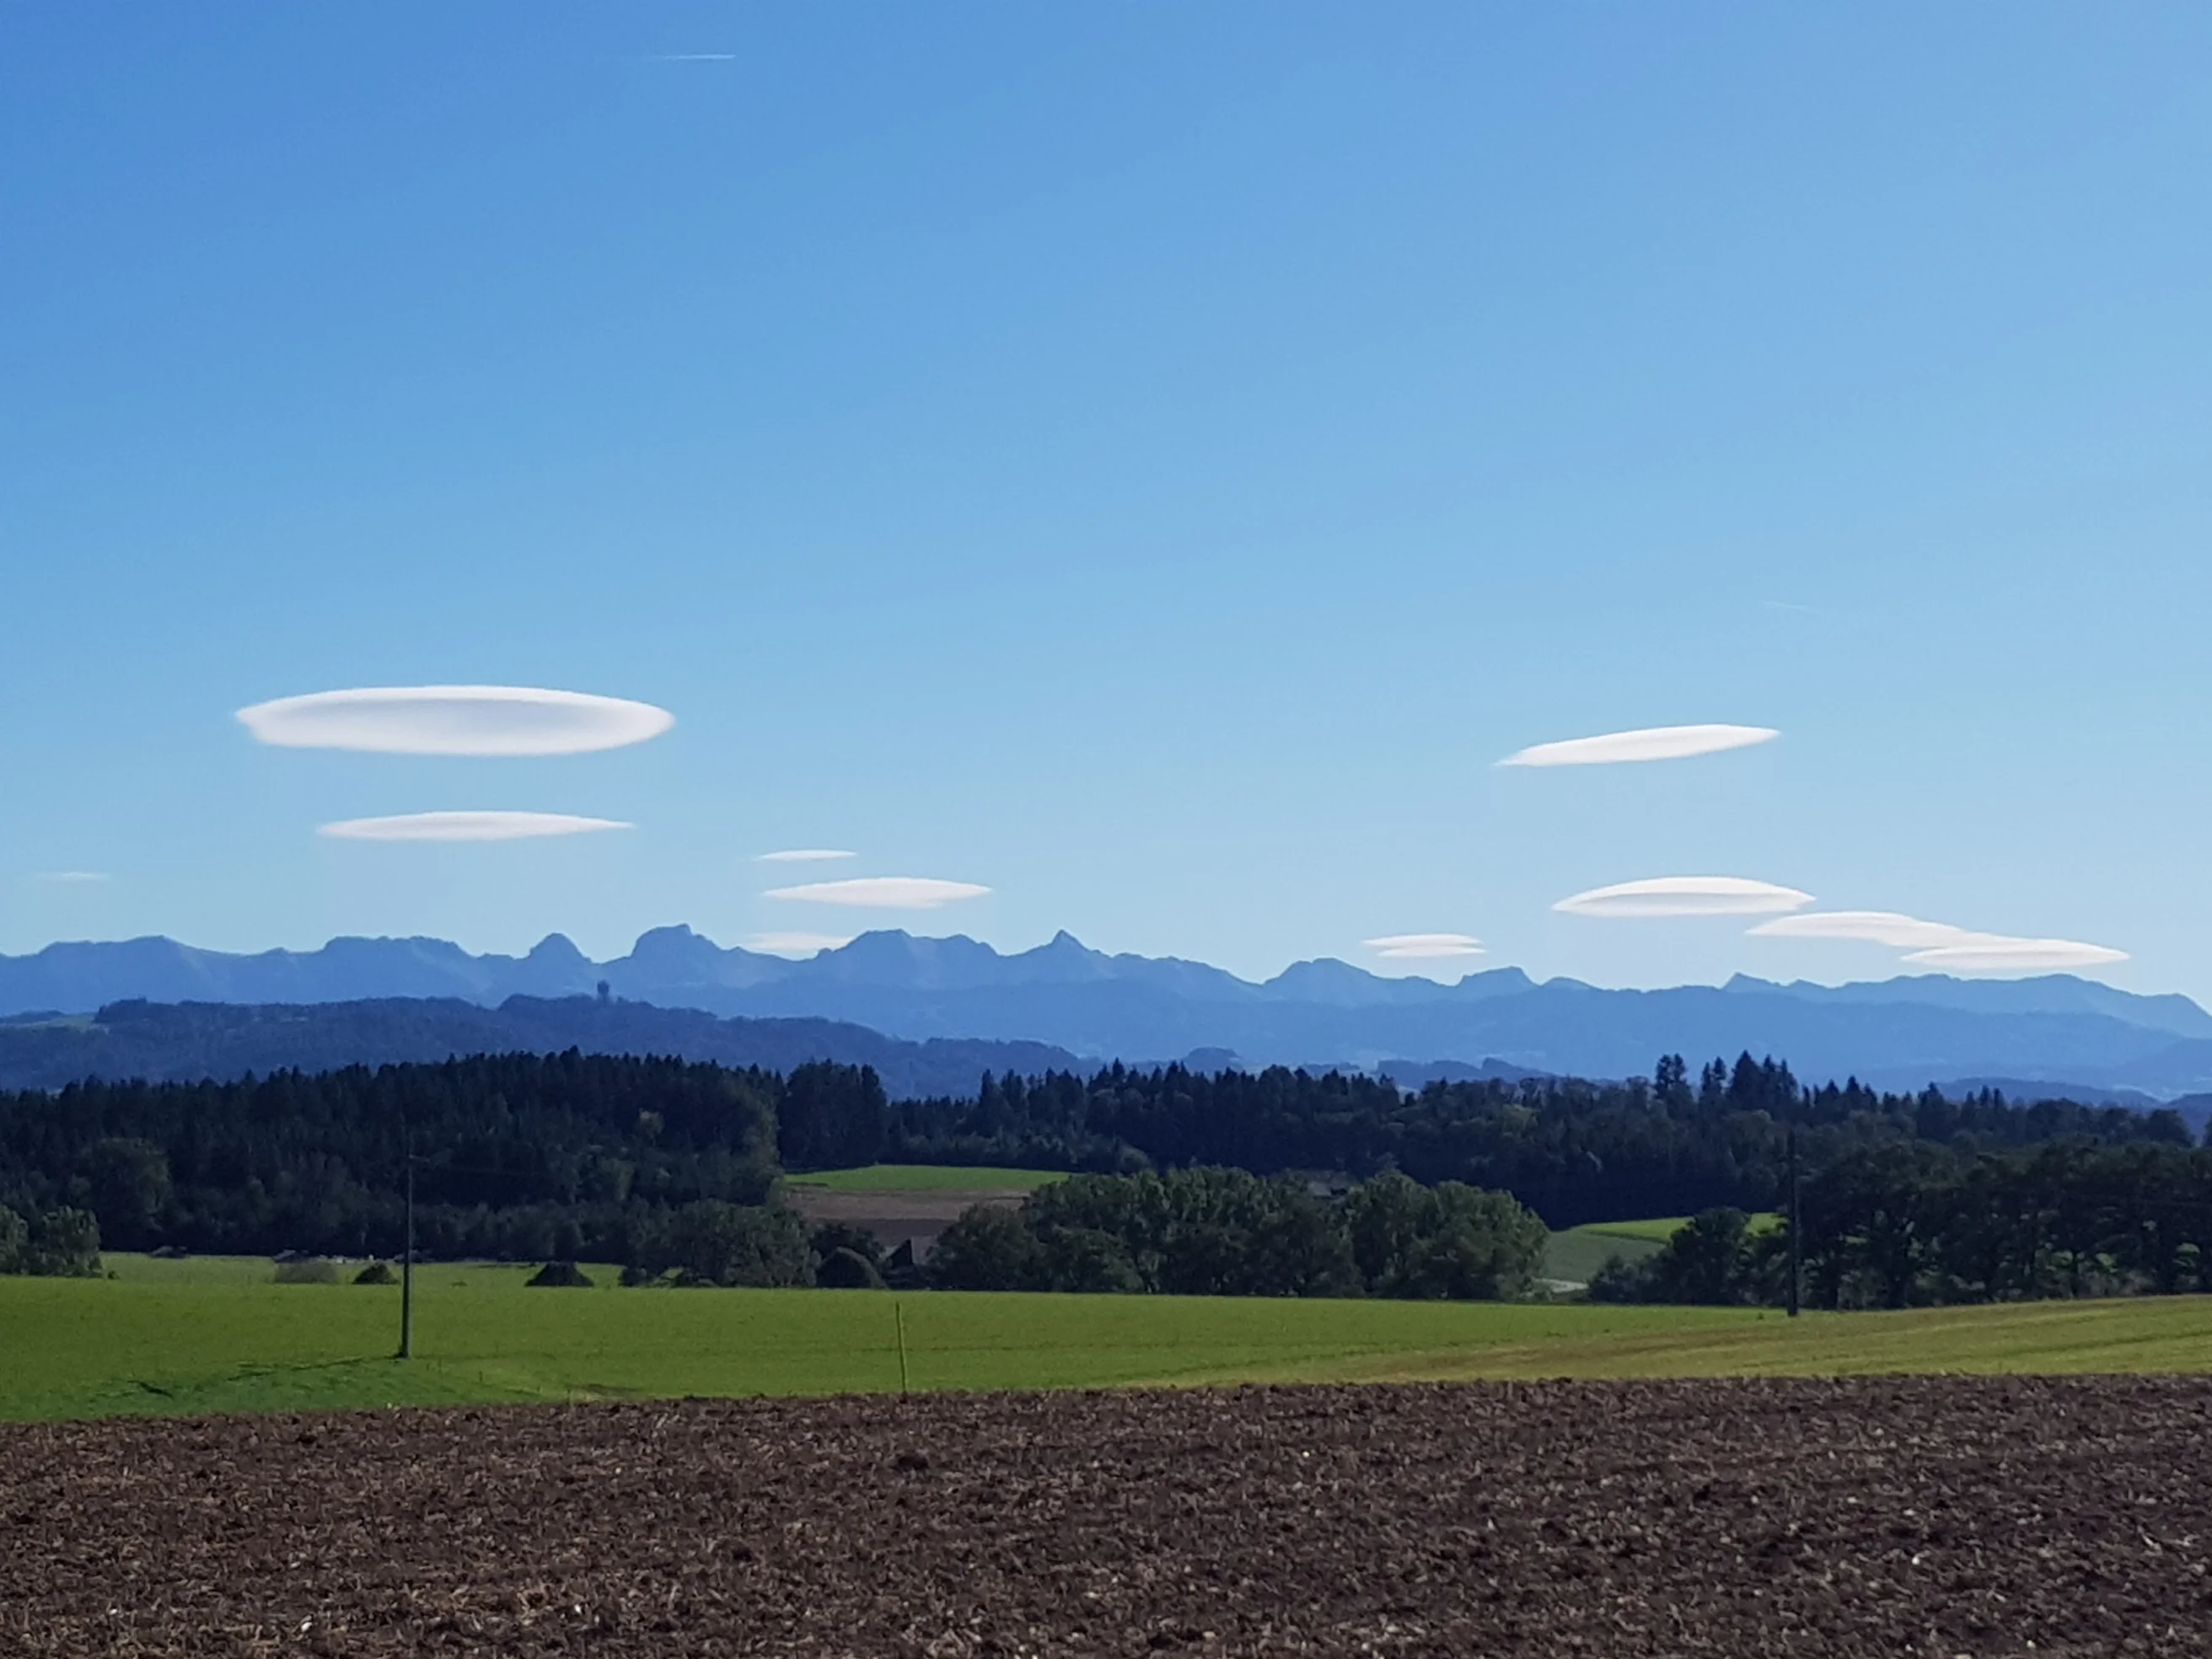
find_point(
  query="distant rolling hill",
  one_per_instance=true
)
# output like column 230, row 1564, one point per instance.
column 189, row 1041
column 1079, row 1002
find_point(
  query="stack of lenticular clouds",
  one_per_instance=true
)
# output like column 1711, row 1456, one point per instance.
column 1925, row 944
column 459, row 719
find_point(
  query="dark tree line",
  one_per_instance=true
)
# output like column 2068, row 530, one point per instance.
column 1916, row 1225
column 1895, row 1226
column 1201, row 1231
column 1572, row 1151
column 670, row 1168
column 517, row 1156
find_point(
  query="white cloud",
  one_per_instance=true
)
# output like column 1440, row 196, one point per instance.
column 1685, row 896
column 1996, row 952
column 1651, row 743
column 883, row 892
column 467, row 826
column 455, row 719
column 1888, row 927
column 1411, row 946
column 1939, row 944
column 803, row 856
column 74, row 878
column 797, row 944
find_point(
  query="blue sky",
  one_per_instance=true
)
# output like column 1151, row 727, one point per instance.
column 1148, row 460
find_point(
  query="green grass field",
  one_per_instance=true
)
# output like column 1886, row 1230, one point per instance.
column 1575, row 1253
column 215, row 1335
column 927, row 1178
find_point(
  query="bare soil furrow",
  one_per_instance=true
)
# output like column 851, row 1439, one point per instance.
column 1928, row 1515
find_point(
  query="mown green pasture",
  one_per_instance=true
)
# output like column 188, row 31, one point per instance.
column 1574, row 1254
column 2126, row 1334
column 927, row 1178
column 213, row 1334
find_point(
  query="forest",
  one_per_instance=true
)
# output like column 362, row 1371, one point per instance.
column 1574, row 1152
column 1912, row 1224
column 1210, row 1231
column 515, row 1155
column 671, row 1168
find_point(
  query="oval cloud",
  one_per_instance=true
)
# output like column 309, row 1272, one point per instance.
column 1685, row 896
column 883, row 892
column 1889, row 927
column 455, row 719
column 1421, row 946
column 1940, row 945
column 1649, row 742
column 468, row 826
column 1994, row 952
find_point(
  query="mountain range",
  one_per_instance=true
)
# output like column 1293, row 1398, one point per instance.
column 1067, row 998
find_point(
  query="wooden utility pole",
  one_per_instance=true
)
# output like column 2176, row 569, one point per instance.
column 407, row 1266
column 1796, row 1244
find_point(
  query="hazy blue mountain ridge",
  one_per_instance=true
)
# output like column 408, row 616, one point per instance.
column 1903, row 1032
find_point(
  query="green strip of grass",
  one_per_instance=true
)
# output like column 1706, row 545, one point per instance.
column 929, row 1178
column 1655, row 1230
column 1575, row 1254
column 2139, row 1335
column 202, row 1335
column 213, row 1334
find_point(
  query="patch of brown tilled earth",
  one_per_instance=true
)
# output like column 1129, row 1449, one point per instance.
column 1925, row 1516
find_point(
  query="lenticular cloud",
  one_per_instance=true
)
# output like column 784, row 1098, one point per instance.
column 455, row 719
column 467, row 826
column 1685, row 896
column 1650, row 742
column 883, row 892
column 1994, row 952
column 1901, row 932
column 1422, row 946
column 1939, row 944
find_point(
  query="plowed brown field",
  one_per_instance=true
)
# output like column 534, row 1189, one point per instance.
column 1926, row 1516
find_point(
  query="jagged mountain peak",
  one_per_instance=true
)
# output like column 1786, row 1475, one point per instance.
column 1903, row 1032
column 555, row 947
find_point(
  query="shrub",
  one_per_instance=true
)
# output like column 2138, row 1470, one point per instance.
column 988, row 1248
column 712, row 1242
column 64, row 1244
column 377, row 1272
column 312, row 1271
column 560, row 1275
column 846, row 1269
column 1622, row 1280
column 1715, row 1259
column 847, row 1258
column 1086, row 1259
